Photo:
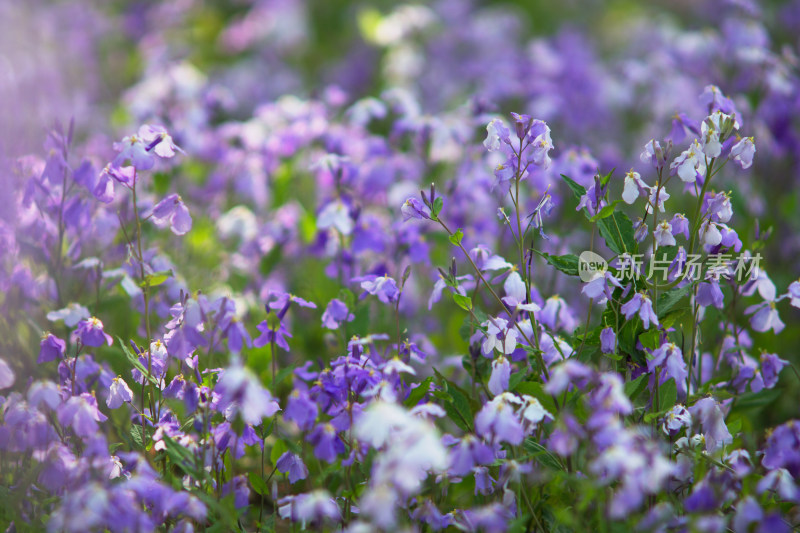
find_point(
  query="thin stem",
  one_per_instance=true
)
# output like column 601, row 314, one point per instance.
column 538, row 353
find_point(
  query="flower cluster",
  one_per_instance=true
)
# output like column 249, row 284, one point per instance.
column 359, row 305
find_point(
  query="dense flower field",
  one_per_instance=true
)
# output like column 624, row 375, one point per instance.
column 273, row 265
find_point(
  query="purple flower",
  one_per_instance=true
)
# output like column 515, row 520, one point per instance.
column 712, row 423
column 51, row 348
column 765, row 317
column 171, row 210
column 301, row 409
column 7, row 377
column 641, row 304
column 690, row 163
column 384, row 287
column 335, row 314
column 90, row 332
column 81, row 414
column 311, row 507
column 414, row 208
column 242, row 392
column 670, row 358
column 676, row 418
column 663, row 234
column 608, row 340
column 291, row 464
column 241, row 492
column 783, row 448
column 498, row 421
column 269, row 335
column 327, row 445
column 469, row 452
column 569, row 372
column 501, row 372
column 118, row 393
column 771, row 366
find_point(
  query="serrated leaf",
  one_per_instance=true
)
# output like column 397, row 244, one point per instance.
column 577, row 189
column 668, row 300
column 605, row 212
column 617, row 231
column 568, row 264
column 135, row 362
column 635, row 387
column 418, row 392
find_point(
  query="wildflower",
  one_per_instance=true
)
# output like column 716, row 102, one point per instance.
column 51, row 348
column 336, row 314
column 291, row 464
column 384, row 287
column 498, row 421
column 413, row 208
column 171, row 210
column 7, row 377
column 608, row 340
column 241, row 392
column 499, row 337
column 501, row 372
column 336, row 215
column 118, row 393
column 634, row 187
column 641, row 304
column 689, row 163
column 743, row 151
column 90, row 332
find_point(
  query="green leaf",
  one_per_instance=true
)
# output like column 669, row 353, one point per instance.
column 136, row 436
column 132, row 359
column 735, row 426
column 456, row 402
column 605, row 179
column 437, row 207
column 617, row 230
column 634, row 388
column 464, row 302
column 568, row 264
column 649, row 339
column 347, row 296
column 542, row 454
column 605, row 212
column 181, row 457
column 258, row 484
column 456, row 237
column 417, row 393
column 668, row 300
column 667, row 395
column 535, row 389
column 515, row 379
column 577, row 189
column 753, row 400
column 278, row 449
column 156, row 278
